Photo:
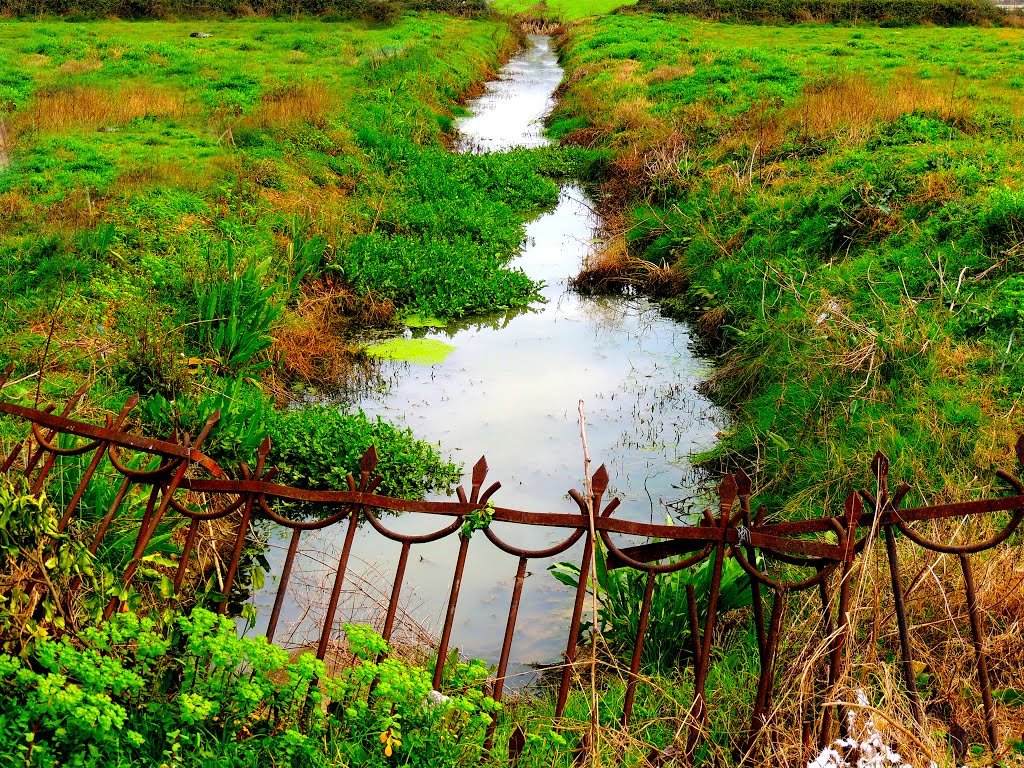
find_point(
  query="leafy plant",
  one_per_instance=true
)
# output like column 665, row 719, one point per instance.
column 37, row 565
column 315, row 446
column 133, row 692
column 405, row 719
column 478, row 520
column 237, row 313
column 620, row 594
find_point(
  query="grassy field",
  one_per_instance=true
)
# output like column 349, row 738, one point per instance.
column 560, row 10
column 839, row 211
column 209, row 221
column 181, row 215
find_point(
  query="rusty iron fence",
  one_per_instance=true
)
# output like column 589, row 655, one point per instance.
column 824, row 550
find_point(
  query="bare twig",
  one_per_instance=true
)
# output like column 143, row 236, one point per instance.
column 595, row 731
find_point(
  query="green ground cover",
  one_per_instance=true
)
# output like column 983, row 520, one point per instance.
column 180, row 216
column 840, row 212
column 208, row 220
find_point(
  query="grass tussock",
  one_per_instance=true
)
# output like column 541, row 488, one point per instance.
column 6, row 143
column 850, row 107
column 612, row 269
column 309, row 102
column 311, row 344
column 83, row 106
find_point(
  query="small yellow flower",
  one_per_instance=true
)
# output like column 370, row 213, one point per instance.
column 389, row 740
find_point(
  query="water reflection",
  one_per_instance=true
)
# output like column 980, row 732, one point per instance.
column 510, row 390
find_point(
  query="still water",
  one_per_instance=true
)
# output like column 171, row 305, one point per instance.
column 510, row 390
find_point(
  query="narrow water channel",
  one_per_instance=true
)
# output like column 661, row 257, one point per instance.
column 510, row 390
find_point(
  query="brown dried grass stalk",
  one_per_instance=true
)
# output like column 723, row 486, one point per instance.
column 59, row 109
column 296, row 103
column 310, row 344
column 942, row 648
column 5, row 145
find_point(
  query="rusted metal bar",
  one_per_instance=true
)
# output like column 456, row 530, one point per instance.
column 506, row 647
column 755, row 601
column 638, row 649
column 792, row 543
column 906, row 652
column 100, row 449
column 33, row 459
column 854, row 509
column 282, row 585
column 449, row 619
column 243, row 527
column 479, row 475
column 396, row 592
column 698, row 710
column 145, row 444
column 146, row 534
column 978, row 637
column 766, row 679
column 510, row 628
column 339, row 578
column 574, row 627
column 186, row 554
column 236, row 554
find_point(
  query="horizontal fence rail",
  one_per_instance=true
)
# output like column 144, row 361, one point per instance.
column 186, row 486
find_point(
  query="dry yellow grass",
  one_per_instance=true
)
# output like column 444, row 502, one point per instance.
column 310, row 344
column 847, row 109
column 78, row 66
column 82, row 106
column 667, row 72
column 304, row 102
column 851, row 106
column 943, row 652
column 5, row 145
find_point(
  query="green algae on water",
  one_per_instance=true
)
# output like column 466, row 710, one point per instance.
column 419, row 351
column 418, row 320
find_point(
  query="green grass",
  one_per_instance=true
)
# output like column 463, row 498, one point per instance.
column 159, row 184
column 860, row 275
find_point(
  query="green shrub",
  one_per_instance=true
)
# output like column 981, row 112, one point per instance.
column 32, row 548
column 314, row 446
column 318, row 446
column 1002, row 220
column 130, row 692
